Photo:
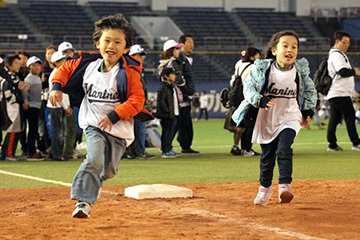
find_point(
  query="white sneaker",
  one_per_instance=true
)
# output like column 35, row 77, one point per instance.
column 263, row 195
column 285, row 193
column 356, row 148
column 248, row 153
column 82, row 210
column 77, row 154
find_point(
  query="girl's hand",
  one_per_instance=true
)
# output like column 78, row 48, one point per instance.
column 105, row 122
column 271, row 103
column 55, row 96
column 306, row 122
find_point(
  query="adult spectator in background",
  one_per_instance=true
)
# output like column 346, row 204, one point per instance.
column 47, row 67
column 185, row 126
column 140, row 127
column 242, row 70
column 341, row 91
column 24, row 71
column 204, row 102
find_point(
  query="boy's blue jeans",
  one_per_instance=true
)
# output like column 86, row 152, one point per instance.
column 57, row 129
column 101, row 163
column 280, row 147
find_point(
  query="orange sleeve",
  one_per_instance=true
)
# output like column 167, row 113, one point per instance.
column 63, row 74
column 136, row 96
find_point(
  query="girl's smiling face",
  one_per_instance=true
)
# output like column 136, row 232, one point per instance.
column 286, row 50
column 112, row 46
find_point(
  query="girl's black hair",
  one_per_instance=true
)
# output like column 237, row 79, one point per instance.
column 275, row 40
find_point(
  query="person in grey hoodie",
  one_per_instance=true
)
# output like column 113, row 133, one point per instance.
column 32, row 105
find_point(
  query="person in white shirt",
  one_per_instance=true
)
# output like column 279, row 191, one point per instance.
column 204, row 102
column 341, row 91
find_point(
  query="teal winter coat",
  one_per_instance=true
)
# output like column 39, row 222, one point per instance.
column 257, row 78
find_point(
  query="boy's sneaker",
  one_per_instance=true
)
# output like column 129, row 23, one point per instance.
column 35, row 158
column 82, row 210
column 285, row 193
column 146, row 156
column 235, row 151
column 189, row 151
column 77, row 154
column 263, row 195
column 334, row 149
column 170, row 154
column 356, row 148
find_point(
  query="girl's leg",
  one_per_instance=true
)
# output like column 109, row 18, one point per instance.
column 284, row 154
column 267, row 163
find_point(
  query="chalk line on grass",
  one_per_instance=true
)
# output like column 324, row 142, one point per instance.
column 199, row 212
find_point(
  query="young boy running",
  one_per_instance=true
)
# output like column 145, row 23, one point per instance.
column 113, row 95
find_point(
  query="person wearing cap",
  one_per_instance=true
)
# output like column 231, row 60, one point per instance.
column 58, row 58
column 67, row 49
column 11, row 111
column 32, row 103
column 167, row 110
column 139, row 54
column 185, row 125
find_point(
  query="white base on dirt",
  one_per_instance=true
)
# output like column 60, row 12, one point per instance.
column 157, row 191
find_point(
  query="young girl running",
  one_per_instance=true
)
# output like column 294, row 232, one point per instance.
column 281, row 88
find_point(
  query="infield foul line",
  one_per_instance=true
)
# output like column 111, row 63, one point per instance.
column 195, row 211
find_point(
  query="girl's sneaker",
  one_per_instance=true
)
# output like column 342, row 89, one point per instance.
column 263, row 195
column 82, row 210
column 285, row 193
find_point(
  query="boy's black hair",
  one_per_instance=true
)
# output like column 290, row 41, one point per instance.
column 9, row 60
column 338, row 35
column 117, row 21
column 275, row 40
column 182, row 38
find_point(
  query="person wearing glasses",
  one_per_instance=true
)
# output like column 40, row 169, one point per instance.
column 341, row 91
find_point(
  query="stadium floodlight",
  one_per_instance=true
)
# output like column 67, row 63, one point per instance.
column 22, row 36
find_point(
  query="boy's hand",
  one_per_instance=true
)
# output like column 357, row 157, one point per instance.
column 306, row 122
column 105, row 122
column 55, row 96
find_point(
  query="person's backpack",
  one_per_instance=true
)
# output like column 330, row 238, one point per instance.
column 224, row 98
column 236, row 95
column 321, row 78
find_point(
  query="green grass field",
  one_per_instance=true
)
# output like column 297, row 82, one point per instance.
column 214, row 164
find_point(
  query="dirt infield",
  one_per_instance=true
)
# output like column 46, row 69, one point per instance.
column 320, row 210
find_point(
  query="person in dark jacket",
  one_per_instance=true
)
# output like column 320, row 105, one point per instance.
column 167, row 110
column 185, row 126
